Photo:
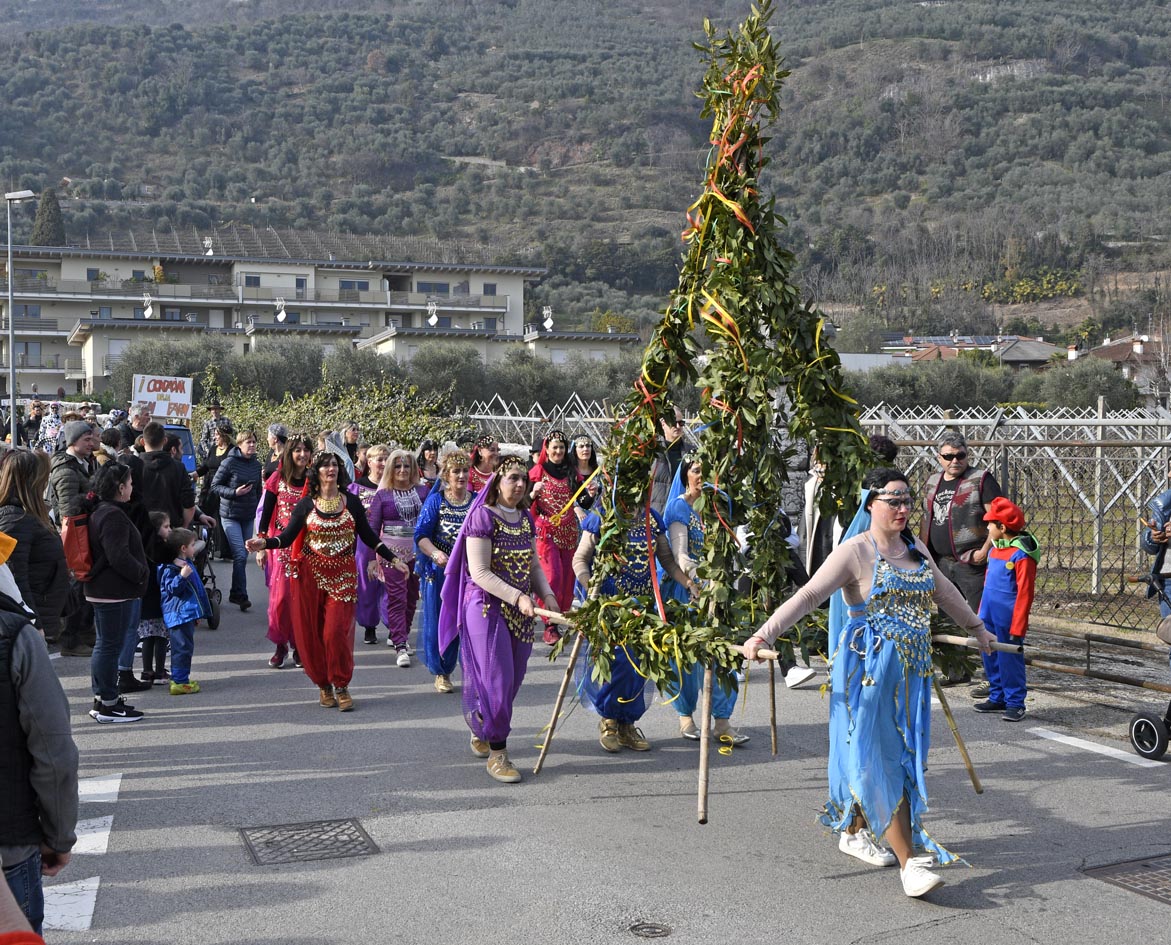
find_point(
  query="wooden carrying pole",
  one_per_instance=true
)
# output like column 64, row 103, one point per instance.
column 951, row 723
column 573, row 654
column 705, row 739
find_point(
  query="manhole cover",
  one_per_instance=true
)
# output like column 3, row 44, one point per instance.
column 650, row 930
column 1150, row 877
column 297, row 843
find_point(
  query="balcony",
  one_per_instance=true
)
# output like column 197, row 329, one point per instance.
column 119, row 289
column 109, row 362
column 74, row 369
column 27, row 325
column 417, row 301
column 48, row 362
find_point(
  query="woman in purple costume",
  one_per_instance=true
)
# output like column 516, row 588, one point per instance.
column 370, row 589
column 488, row 605
column 393, row 514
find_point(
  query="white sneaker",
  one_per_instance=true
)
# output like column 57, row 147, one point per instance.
column 404, row 658
column 917, row 879
column 798, row 675
column 861, row 845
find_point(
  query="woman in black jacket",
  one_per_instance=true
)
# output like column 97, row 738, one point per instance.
column 237, row 483
column 118, row 579
column 208, row 501
column 38, row 561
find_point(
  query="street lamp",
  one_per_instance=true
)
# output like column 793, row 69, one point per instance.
column 15, row 196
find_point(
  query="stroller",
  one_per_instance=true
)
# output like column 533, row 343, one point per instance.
column 206, row 574
column 1149, row 732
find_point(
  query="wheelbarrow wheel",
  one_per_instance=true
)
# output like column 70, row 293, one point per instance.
column 1148, row 734
column 214, row 598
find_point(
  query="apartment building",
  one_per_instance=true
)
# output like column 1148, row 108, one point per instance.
column 77, row 309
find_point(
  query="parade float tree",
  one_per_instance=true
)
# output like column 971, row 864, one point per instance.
column 738, row 328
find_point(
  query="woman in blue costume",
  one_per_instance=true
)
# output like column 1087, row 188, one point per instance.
column 438, row 525
column 621, row 701
column 883, row 584
column 686, row 532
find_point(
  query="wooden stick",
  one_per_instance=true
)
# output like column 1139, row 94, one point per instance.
column 956, row 734
column 772, row 701
column 971, row 643
column 760, row 654
column 560, row 700
column 553, row 617
column 705, row 731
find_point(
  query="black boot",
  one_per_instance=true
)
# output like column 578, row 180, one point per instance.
column 127, row 682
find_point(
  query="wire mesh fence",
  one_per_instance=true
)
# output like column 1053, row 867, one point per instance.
column 1082, row 477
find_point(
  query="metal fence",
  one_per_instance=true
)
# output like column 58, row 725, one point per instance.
column 1083, row 478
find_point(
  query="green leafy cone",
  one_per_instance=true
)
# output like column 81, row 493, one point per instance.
column 770, row 378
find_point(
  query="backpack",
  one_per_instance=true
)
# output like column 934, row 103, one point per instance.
column 75, row 539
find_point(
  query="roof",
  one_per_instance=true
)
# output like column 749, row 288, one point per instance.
column 935, row 353
column 1023, row 350
column 1122, row 350
column 234, row 241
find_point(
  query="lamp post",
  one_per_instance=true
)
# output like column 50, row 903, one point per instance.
column 15, row 196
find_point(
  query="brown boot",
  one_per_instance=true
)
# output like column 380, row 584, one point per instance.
column 326, row 700
column 344, row 701
column 630, row 736
column 501, row 769
column 608, row 737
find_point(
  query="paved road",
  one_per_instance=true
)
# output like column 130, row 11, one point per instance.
column 590, row 847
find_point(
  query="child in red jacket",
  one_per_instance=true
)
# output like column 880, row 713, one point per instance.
column 1004, row 608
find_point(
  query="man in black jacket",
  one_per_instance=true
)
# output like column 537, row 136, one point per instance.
column 165, row 483
column 38, row 780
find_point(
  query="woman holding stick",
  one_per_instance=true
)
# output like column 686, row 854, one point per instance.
column 325, row 577
column 488, row 605
column 883, row 584
column 371, row 590
column 554, row 482
column 686, row 533
column 620, row 700
column 438, row 527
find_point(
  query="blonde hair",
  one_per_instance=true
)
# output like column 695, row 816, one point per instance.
column 379, row 449
column 388, row 473
column 245, row 435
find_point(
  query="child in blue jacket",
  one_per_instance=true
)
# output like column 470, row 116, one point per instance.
column 184, row 602
column 1009, row 585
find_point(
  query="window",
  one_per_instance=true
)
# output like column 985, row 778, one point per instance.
column 27, row 274
column 489, row 324
column 433, row 288
column 138, row 275
column 252, row 282
column 355, row 285
column 104, row 311
column 292, row 318
column 28, row 353
column 172, row 315
column 138, row 312
column 27, row 311
column 92, row 275
column 444, row 321
column 462, row 288
column 489, row 288
column 302, row 286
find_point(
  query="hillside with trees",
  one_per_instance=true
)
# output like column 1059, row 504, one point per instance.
column 937, row 160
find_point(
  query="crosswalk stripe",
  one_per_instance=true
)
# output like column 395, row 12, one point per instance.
column 1117, row 753
column 69, row 907
column 99, row 790
column 93, row 836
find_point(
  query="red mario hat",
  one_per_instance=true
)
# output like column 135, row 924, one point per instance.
column 1007, row 513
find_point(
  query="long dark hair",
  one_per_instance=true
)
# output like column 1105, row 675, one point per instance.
column 23, row 476
column 295, row 440
column 878, row 479
column 103, row 487
column 423, row 447
column 593, row 460
column 343, row 478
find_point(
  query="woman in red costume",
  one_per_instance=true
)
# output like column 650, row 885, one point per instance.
column 282, row 491
column 553, row 485
column 322, row 535
column 485, row 459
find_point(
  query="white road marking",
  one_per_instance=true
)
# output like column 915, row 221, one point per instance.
column 69, row 907
column 93, row 836
column 1116, row 753
column 99, row 790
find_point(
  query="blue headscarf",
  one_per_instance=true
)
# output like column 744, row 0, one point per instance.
column 837, row 603
column 457, row 578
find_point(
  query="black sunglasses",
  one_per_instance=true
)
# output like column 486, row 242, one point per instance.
column 949, row 457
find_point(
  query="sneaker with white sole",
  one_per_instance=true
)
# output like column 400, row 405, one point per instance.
column 798, row 675
column 118, row 712
column 917, row 879
column 404, row 658
column 480, row 748
column 861, row 846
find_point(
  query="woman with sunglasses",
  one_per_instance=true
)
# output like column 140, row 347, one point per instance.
column 883, row 584
column 438, row 526
column 485, row 458
column 553, row 486
column 393, row 514
column 322, row 535
column 370, row 589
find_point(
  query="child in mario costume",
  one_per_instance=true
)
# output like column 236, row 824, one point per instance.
column 1004, row 608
